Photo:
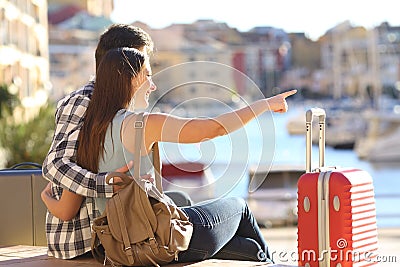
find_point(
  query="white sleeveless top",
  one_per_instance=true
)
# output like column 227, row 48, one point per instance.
column 116, row 156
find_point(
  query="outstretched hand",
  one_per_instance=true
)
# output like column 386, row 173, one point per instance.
column 278, row 102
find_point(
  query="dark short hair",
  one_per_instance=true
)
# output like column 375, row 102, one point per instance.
column 123, row 35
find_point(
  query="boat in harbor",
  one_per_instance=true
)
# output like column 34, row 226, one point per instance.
column 295, row 125
column 191, row 178
column 381, row 142
column 343, row 129
column 387, row 149
column 344, row 125
column 273, row 194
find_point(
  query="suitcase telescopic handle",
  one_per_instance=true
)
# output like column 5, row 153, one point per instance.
column 310, row 114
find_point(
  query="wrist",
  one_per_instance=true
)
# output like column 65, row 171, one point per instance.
column 267, row 103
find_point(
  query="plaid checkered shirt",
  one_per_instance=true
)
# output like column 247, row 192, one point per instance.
column 68, row 239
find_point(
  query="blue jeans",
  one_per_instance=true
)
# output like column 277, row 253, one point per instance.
column 225, row 229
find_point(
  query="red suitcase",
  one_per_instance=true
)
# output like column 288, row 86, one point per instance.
column 336, row 211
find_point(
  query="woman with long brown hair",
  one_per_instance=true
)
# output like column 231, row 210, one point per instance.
column 223, row 228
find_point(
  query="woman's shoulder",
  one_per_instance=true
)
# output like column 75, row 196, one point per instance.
column 126, row 112
column 132, row 118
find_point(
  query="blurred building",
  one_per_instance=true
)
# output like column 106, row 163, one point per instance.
column 268, row 56
column 360, row 62
column 387, row 40
column 205, row 58
column 305, row 61
column 73, row 35
column 101, row 8
column 346, row 60
column 193, row 63
column 24, row 63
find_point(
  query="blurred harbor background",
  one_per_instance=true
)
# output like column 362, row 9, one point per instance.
column 337, row 62
column 351, row 70
column 278, row 203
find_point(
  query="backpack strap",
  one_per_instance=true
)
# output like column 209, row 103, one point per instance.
column 139, row 125
column 157, row 167
column 124, row 230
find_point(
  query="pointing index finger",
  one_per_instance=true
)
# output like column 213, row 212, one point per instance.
column 289, row 93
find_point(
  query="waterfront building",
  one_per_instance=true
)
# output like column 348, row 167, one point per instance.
column 24, row 63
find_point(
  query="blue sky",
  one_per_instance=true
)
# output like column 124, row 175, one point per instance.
column 314, row 17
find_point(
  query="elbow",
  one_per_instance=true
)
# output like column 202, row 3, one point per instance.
column 45, row 169
column 220, row 130
column 63, row 213
column 46, row 175
column 47, row 165
column 215, row 130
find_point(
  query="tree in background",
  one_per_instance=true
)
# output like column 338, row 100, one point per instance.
column 25, row 141
column 8, row 101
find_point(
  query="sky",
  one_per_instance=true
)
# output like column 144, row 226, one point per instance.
column 313, row 17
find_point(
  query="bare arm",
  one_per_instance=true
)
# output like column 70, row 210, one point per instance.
column 60, row 165
column 232, row 121
column 67, row 207
column 169, row 128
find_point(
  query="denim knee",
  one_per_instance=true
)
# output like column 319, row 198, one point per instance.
column 238, row 202
column 241, row 248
